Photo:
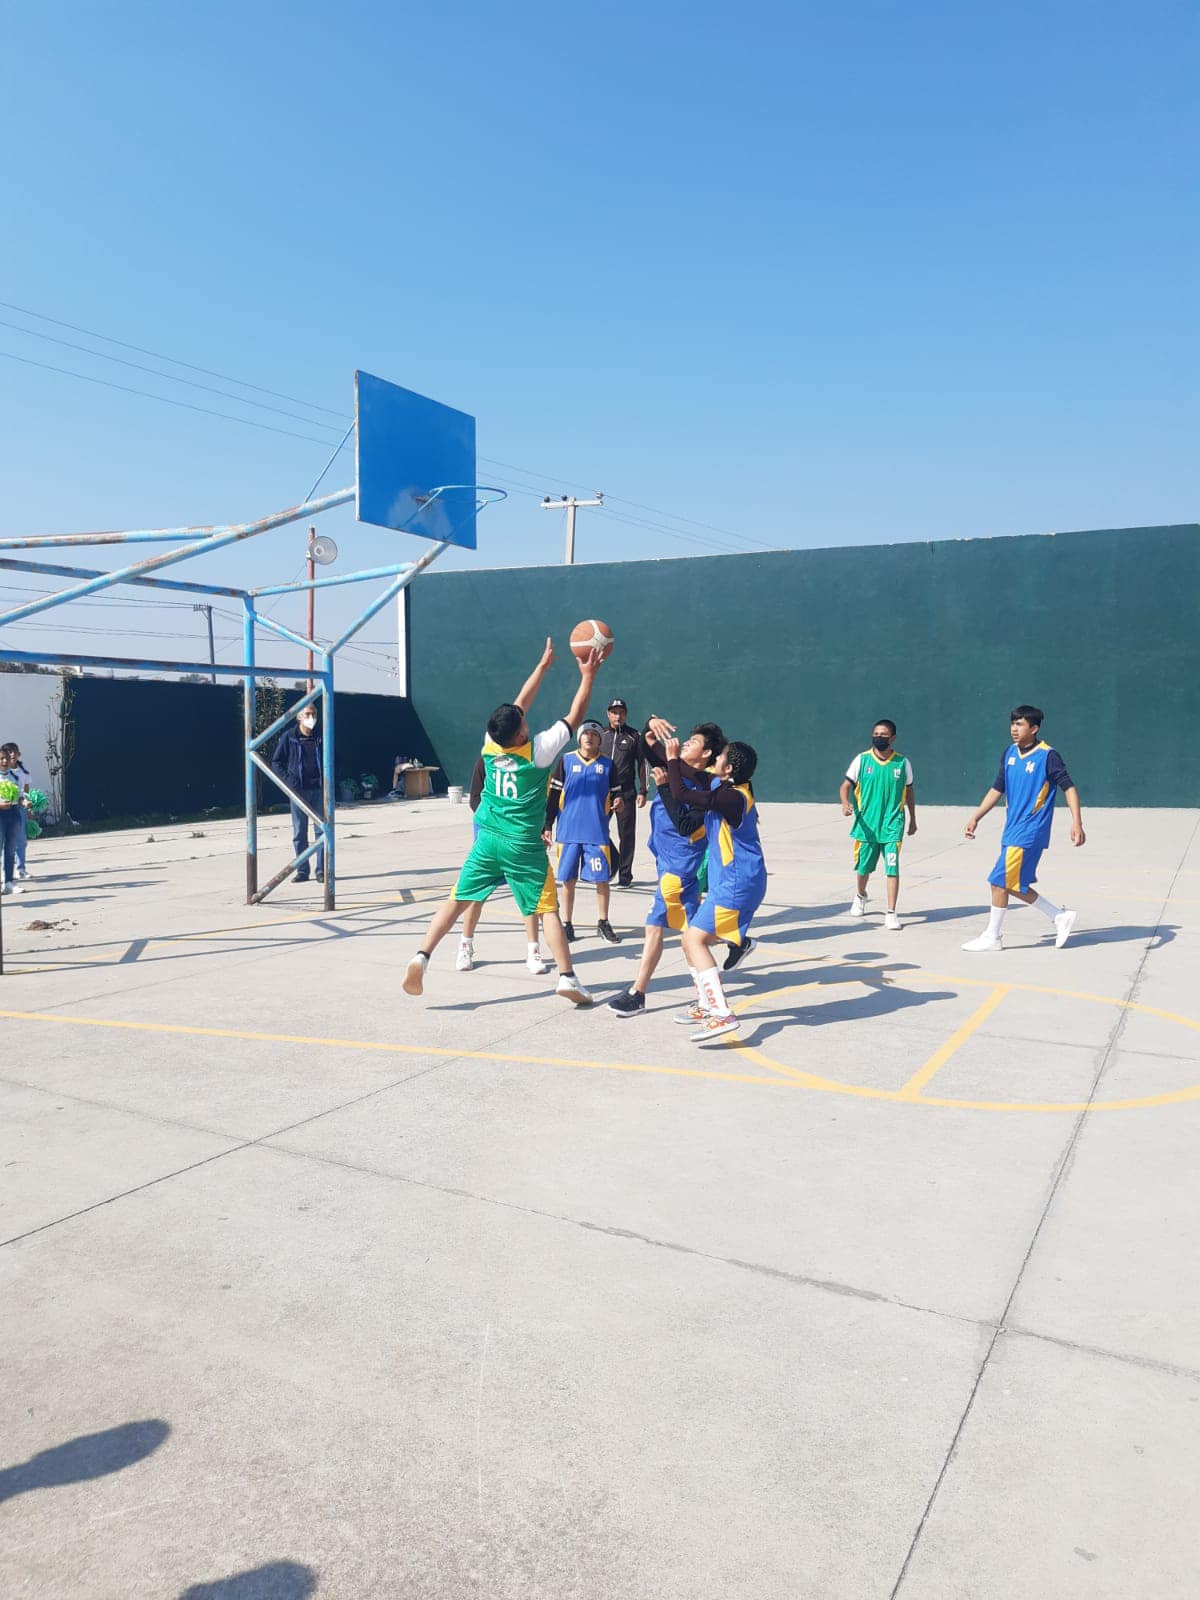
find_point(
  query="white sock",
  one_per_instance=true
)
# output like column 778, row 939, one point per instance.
column 534, row 948
column 712, row 992
column 467, row 938
column 995, row 918
column 1046, row 907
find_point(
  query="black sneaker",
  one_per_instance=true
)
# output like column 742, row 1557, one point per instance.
column 607, row 932
column 320, row 877
column 628, row 1004
column 299, row 879
column 738, row 953
column 569, row 930
column 624, row 883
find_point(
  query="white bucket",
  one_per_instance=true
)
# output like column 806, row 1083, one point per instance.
column 454, row 794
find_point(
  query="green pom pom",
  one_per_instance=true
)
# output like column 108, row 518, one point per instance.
column 9, row 792
column 33, row 828
column 38, row 800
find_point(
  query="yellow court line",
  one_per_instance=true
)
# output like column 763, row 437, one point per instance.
column 912, row 1089
column 386, row 1047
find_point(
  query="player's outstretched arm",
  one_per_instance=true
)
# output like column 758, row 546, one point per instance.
column 1071, row 796
column 533, row 682
column 991, row 798
column 588, row 668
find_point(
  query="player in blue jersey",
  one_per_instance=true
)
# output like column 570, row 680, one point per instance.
column 583, row 793
column 677, row 842
column 1030, row 776
column 737, row 877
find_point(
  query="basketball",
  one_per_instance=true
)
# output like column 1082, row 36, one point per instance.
column 592, row 635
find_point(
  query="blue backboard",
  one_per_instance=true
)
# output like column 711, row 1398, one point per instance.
column 408, row 447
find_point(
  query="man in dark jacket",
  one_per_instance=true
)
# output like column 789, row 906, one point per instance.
column 297, row 761
column 623, row 747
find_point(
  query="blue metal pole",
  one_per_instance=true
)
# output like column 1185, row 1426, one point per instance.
column 390, row 593
column 249, row 699
column 287, row 633
column 50, row 541
column 42, row 658
column 218, row 541
column 327, row 788
column 303, row 584
column 50, row 570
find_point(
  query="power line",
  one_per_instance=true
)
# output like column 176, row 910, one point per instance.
column 169, row 377
column 185, row 405
column 174, row 360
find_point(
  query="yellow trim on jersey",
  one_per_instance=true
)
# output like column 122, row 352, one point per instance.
column 1041, row 799
column 727, row 924
column 725, row 840
column 525, row 751
column 1013, row 858
column 670, row 886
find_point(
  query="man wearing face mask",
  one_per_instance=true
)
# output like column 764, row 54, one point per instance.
column 297, row 762
column 877, row 787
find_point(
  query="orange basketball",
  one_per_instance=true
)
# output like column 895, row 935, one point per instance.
column 592, row 635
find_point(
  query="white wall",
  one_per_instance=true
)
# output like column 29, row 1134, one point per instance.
column 29, row 707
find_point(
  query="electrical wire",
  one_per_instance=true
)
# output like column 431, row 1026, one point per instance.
column 185, row 405
column 140, row 350
column 169, row 377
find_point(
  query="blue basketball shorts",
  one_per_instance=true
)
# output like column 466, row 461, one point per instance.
column 590, row 863
column 1016, row 868
column 731, row 923
column 675, row 901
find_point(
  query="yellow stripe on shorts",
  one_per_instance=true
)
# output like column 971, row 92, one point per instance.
column 727, row 924
column 1013, row 859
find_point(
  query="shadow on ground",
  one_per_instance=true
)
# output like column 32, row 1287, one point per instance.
column 278, row 1580
column 93, row 1455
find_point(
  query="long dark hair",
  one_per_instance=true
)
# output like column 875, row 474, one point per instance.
column 742, row 759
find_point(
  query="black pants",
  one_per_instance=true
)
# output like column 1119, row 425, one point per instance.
column 626, row 836
column 313, row 799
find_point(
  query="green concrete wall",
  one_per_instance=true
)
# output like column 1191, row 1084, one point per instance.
column 798, row 652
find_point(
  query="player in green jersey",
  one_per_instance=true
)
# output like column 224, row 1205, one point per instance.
column 877, row 787
column 508, row 844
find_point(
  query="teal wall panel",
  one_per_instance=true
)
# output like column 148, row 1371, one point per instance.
column 798, row 652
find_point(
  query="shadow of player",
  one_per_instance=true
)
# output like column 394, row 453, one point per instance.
column 278, row 1580
column 92, row 1455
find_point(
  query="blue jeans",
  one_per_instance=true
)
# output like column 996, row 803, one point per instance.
column 12, row 828
column 312, row 799
column 22, row 843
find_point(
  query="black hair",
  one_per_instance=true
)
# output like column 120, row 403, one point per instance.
column 1030, row 713
column 714, row 739
column 10, row 749
column 742, row 759
column 504, row 724
column 885, row 722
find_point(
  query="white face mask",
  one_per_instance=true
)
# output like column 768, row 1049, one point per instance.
column 308, row 723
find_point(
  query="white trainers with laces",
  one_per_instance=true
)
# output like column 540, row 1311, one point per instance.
column 1063, row 923
column 714, row 1027
column 891, row 920
column 571, row 989
column 694, row 1015
column 414, row 975
column 985, row 941
column 859, row 906
column 464, row 961
column 536, row 963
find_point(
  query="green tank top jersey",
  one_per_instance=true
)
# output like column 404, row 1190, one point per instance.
column 879, row 789
column 513, row 804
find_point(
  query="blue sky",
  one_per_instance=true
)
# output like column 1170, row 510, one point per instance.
column 808, row 275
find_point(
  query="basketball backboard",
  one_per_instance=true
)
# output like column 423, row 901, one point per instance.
column 409, row 447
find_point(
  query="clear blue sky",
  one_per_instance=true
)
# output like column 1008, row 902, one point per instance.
column 810, row 274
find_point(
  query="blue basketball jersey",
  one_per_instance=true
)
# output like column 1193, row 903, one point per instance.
column 737, row 873
column 584, row 801
column 1030, row 783
column 673, row 852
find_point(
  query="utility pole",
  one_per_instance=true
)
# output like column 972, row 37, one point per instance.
column 212, row 653
column 569, row 504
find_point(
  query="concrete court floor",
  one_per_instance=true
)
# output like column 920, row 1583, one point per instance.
column 308, row 1288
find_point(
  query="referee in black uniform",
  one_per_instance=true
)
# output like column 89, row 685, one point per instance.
column 623, row 747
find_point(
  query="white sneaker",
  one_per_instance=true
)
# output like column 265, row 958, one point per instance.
column 859, row 907
column 1063, row 923
column 715, row 1027
column 985, row 941
column 891, row 920
column 571, row 989
column 535, row 963
column 414, row 975
column 692, row 1017
column 464, row 961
